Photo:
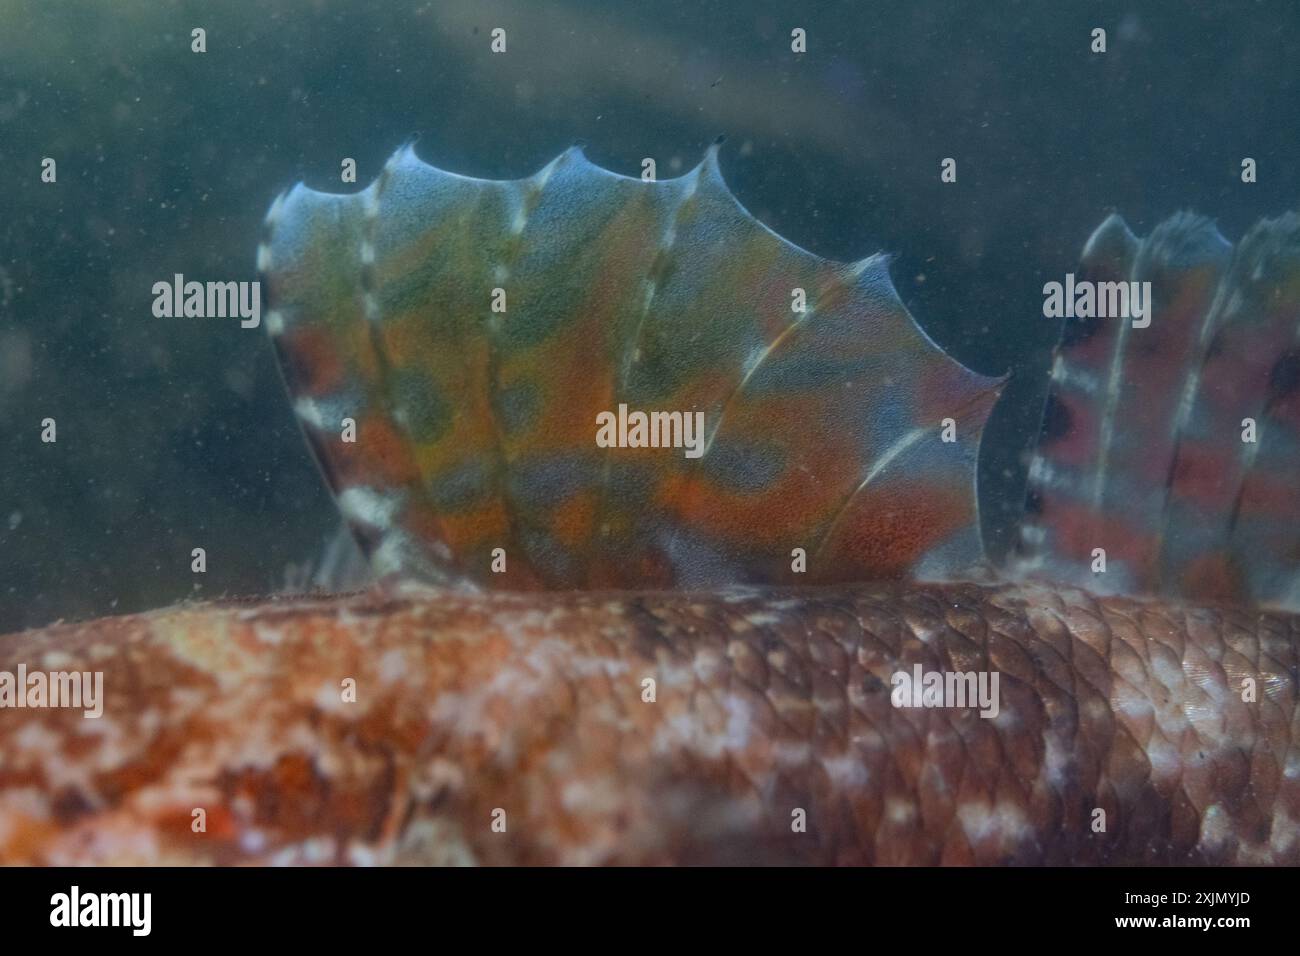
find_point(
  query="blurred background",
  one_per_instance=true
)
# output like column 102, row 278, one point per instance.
column 175, row 433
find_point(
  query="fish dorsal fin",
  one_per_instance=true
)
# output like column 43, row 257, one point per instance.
column 1148, row 451
column 494, row 343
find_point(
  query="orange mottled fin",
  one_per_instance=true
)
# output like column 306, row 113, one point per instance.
column 483, row 335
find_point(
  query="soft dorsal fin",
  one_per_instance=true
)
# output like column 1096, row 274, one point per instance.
column 1145, row 450
column 480, row 332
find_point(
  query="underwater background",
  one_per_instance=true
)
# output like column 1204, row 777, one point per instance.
column 176, row 433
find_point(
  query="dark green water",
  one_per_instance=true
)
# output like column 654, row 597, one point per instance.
column 173, row 434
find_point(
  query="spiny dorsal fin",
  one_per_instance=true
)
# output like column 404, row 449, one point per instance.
column 1142, row 452
column 477, row 330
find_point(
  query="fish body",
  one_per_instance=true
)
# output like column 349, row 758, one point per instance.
column 506, row 728
column 773, row 650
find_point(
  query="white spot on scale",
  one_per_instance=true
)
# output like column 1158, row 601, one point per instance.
column 590, row 797
column 1292, row 768
column 925, row 631
column 1216, row 827
column 681, row 729
column 899, row 811
column 275, row 323
column 263, row 258
column 871, row 740
column 318, row 851
column 367, row 252
column 846, row 772
column 1284, row 832
column 392, row 666
column 791, row 754
column 329, row 698
column 35, row 737
column 1133, row 707
column 500, row 274
column 1003, row 822
column 1165, row 762
column 1170, row 673
column 1056, row 760
column 268, row 635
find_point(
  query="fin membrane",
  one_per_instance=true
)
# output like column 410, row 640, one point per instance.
column 477, row 333
column 1174, row 448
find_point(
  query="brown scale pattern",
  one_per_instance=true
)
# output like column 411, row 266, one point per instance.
column 766, row 701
